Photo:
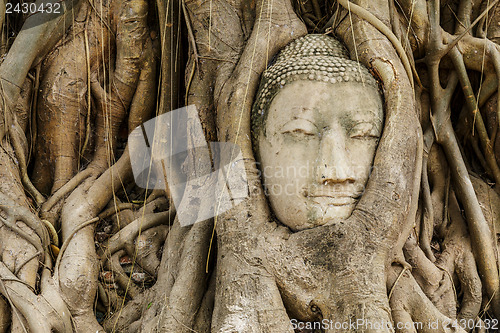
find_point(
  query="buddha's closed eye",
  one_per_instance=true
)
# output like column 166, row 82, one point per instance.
column 364, row 130
column 299, row 127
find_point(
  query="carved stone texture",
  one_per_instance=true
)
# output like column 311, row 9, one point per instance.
column 317, row 129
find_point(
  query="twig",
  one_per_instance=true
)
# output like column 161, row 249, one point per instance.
column 192, row 39
column 87, row 60
column 458, row 61
column 65, row 189
column 405, row 268
column 427, row 224
column 14, row 309
column 68, row 240
column 34, row 108
column 452, row 44
column 478, row 226
column 317, row 9
column 15, row 133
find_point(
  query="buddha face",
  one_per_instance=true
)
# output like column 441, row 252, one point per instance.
column 316, row 150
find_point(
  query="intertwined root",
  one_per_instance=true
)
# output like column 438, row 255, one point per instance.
column 25, row 244
column 84, row 101
column 66, row 112
column 412, row 311
column 435, row 281
column 80, row 114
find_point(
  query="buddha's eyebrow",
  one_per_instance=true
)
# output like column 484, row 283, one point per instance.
column 301, row 118
column 300, row 113
column 360, row 114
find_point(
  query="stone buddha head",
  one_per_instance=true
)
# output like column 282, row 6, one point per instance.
column 316, row 123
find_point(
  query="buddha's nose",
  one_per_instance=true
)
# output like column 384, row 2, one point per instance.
column 334, row 165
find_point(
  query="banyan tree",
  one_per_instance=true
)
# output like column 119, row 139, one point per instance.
column 249, row 166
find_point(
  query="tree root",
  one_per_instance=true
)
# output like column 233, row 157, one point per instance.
column 11, row 224
column 144, row 100
column 19, row 145
column 68, row 240
column 41, row 313
column 113, row 264
column 128, row 234
column 369, row 17
column 16, row 213
column 40, row 38
column 149, row 244
column 457, row 59
column 5, row 315
column 427, row 224
column 411, row 307
column 130, row 313
column 63, row 191
column 458, row 257
column 179, row 313
column 112, row 106
column 117, row 209
column 54, row 238
column 78, row 282
column 479, row 229
column 251, row 284
column 434, row 282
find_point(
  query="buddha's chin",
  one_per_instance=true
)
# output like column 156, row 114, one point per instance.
column 330, row 214
column 321, row 214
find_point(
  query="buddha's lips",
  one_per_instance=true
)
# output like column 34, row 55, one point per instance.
column 334, row 198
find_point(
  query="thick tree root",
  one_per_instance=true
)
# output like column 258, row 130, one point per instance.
column 412, row 311
column 39, row 312
column 127, row 235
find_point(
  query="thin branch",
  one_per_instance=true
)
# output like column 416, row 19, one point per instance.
column 68, row 240
column 452, row 44
column 65, row 189
column 478, row 226
column 458, row 61
column 15, row 134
